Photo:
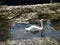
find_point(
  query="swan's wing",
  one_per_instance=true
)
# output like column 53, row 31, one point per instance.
column 34, row 28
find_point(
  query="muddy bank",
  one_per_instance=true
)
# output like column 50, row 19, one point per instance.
column 33, row 41
column 38, row 11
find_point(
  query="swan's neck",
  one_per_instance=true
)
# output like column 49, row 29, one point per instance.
column 42, row 24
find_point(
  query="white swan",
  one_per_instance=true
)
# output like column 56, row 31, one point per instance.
column 35, row 27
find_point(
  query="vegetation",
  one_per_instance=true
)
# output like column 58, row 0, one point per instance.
column 34, row 41
column 48, row 11
column 4, row 26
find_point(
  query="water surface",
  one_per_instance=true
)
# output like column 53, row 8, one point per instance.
column 17, row 32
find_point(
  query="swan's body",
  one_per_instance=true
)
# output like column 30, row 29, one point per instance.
column 35, row 27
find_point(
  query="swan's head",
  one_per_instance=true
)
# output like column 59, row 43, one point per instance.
column 41, row 20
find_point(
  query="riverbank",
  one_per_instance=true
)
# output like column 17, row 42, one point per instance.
column 38, row 11
column 33, row 41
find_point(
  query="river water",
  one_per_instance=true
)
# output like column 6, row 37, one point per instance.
column 17, row 32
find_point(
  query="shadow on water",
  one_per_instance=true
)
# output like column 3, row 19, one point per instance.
column 17, row 31
column 4, row 30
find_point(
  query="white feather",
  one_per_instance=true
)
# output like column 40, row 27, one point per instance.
column 35, row 27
